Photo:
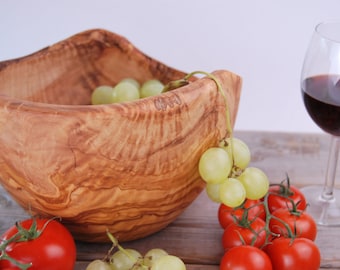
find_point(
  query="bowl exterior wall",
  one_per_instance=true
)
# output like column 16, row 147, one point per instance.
column 129, row 168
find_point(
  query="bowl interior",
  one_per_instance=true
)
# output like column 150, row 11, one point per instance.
column 67, row 72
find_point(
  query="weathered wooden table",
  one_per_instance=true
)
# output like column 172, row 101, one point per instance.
column 196, row 235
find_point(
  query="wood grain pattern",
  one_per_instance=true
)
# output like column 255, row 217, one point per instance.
column 130, row 168
column 195, row 235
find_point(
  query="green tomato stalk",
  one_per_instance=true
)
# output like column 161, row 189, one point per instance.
column 245, row 222
column 23, row 235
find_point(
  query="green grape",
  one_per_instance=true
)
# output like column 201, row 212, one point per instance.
column 241, row 152
column 215, row 165
column 132, row 81
column 98, row 265
column 138, row 266
column 121, row 261
column 213, row 191
column 151, row 88
column 102, row 95
column 153, row 255
column 232, row 192
column 168, row 262
column 125, row 91
column 255, row 182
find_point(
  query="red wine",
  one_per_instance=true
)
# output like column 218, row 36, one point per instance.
column 321, row 95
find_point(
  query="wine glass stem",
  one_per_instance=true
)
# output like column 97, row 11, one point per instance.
column 327, row 193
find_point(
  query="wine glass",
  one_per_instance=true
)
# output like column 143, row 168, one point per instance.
column 320, row 85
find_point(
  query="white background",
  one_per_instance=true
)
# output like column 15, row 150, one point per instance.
column 264, row 41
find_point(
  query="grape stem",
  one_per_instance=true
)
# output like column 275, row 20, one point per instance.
column 184, row 81
column 115, row 244
column 220, row 89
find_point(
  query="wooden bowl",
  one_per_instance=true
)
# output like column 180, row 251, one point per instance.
column 130, row 168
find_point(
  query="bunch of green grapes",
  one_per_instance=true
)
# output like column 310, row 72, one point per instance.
column 229, row 179
column 127, row 89
column 131, row 259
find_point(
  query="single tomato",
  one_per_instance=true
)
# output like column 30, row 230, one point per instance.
column 300, row 223
column 282, row 196
column 294, row 254
column 244, row 233
column 45, row 244
column 253, row 209
column 245, row 258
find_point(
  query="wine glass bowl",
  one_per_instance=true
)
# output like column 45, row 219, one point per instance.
column 323, row 106
column 130, row 168
column 320, row 86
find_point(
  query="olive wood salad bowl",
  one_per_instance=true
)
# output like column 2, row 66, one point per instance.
column 130, row 168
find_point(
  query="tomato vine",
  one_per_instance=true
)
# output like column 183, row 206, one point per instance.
column 27, row 245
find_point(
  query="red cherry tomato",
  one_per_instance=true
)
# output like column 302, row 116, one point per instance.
column 245, row 258
column 294, row 254
column 52, row 249
column 227, row 215
column 251, row 234
column 300, row 223
column 282, row 196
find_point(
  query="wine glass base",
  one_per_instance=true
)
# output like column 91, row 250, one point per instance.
column 325, row 212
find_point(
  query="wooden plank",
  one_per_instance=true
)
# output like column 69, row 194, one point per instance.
column 82, row 266
column 303, row 156
column 196, row 235
column 10, row 212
